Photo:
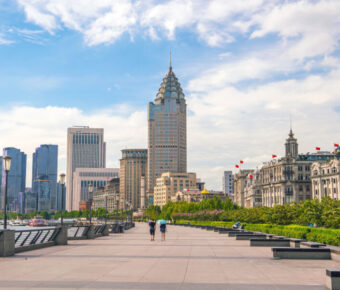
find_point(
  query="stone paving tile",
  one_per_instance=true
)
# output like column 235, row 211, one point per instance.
column 189, row 259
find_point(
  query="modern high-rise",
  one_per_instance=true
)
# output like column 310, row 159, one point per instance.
column 228, row 182
column 133, row 167
column 85, row 149
column 44, row 176
column 16, row 178
column 167, row 131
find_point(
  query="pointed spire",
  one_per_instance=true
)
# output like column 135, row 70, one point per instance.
column 291, row 134
column 170, row 66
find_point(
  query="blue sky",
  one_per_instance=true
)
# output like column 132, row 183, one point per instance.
column 244, row 66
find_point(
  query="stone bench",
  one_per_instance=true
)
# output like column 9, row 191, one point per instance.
column 225, row 231
column 234, row 233
column 279, row 237
column 249, row 236
column 333, row 279
column 269, row 243
column 305, row 253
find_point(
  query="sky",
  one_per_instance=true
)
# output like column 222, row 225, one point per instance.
column 245, row 67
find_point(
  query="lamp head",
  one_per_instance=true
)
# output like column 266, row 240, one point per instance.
column 62, row 178
column 7, row 163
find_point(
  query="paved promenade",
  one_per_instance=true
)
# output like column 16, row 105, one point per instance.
column 189, row 259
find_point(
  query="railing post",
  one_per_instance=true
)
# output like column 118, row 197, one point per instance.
column 7, row 243
column 106, row 230
column 61, row 238
column 91, row 232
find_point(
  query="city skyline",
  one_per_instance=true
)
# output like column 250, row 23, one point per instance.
column 243, row 68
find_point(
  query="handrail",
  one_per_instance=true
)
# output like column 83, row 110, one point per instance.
column 77, row 231
column 35, row 236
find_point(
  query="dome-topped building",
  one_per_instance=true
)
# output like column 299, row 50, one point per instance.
column 167, row 141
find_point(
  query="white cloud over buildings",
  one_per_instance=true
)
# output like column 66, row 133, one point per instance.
column 239, row 107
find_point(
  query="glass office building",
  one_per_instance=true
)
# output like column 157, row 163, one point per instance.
column 45, row 169
column 16, row 178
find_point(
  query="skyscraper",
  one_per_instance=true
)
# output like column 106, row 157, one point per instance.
column 44, row 175
column 167, row 136
column 16, row 177
column 132, row 167
column 228, row 182
column 85, row 149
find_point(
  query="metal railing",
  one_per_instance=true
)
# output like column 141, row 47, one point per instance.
column 33, row 237
column 99, row 229
column 77, row 231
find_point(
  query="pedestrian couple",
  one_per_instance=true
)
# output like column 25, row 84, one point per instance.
column 162, row 227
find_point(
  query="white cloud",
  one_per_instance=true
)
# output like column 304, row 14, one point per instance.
column 106, row 20
column 4, row 41
column 228, row 124
column 293, row 70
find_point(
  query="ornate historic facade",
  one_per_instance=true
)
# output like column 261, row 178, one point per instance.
column 288, row 179
column 252, row 190
column 240, row 182
column 326, row 178
column 107, row 196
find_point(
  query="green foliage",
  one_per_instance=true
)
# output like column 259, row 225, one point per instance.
column 320, row 235
column 323, row 214
column 153, row 212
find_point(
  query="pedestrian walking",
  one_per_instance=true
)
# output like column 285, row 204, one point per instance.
column 152, row 225
column 163, row 230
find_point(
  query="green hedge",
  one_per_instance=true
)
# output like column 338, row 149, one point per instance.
column 320, row 235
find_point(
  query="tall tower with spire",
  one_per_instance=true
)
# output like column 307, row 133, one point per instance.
column 167, row 130
column 291, row 145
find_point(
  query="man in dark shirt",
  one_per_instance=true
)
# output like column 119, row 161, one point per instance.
column 152, row 225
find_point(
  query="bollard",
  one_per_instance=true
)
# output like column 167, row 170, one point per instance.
column 106, row 230
column 90, row 232
column 7, row 243
column 61, row 238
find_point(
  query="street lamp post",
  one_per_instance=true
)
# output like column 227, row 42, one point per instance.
column 62, row 182
column 90, row 199
column 7, row 166
column 105, row 208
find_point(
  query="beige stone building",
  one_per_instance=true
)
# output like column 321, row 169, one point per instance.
column 288, row 179
column 170, row 183
column 107, row 196
column 85, row 149
column 167, row 131
column 83, row 177
column 240, row 182
column 194, row 195
column 326, row 178
column 133, row 165
column 252, row 190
